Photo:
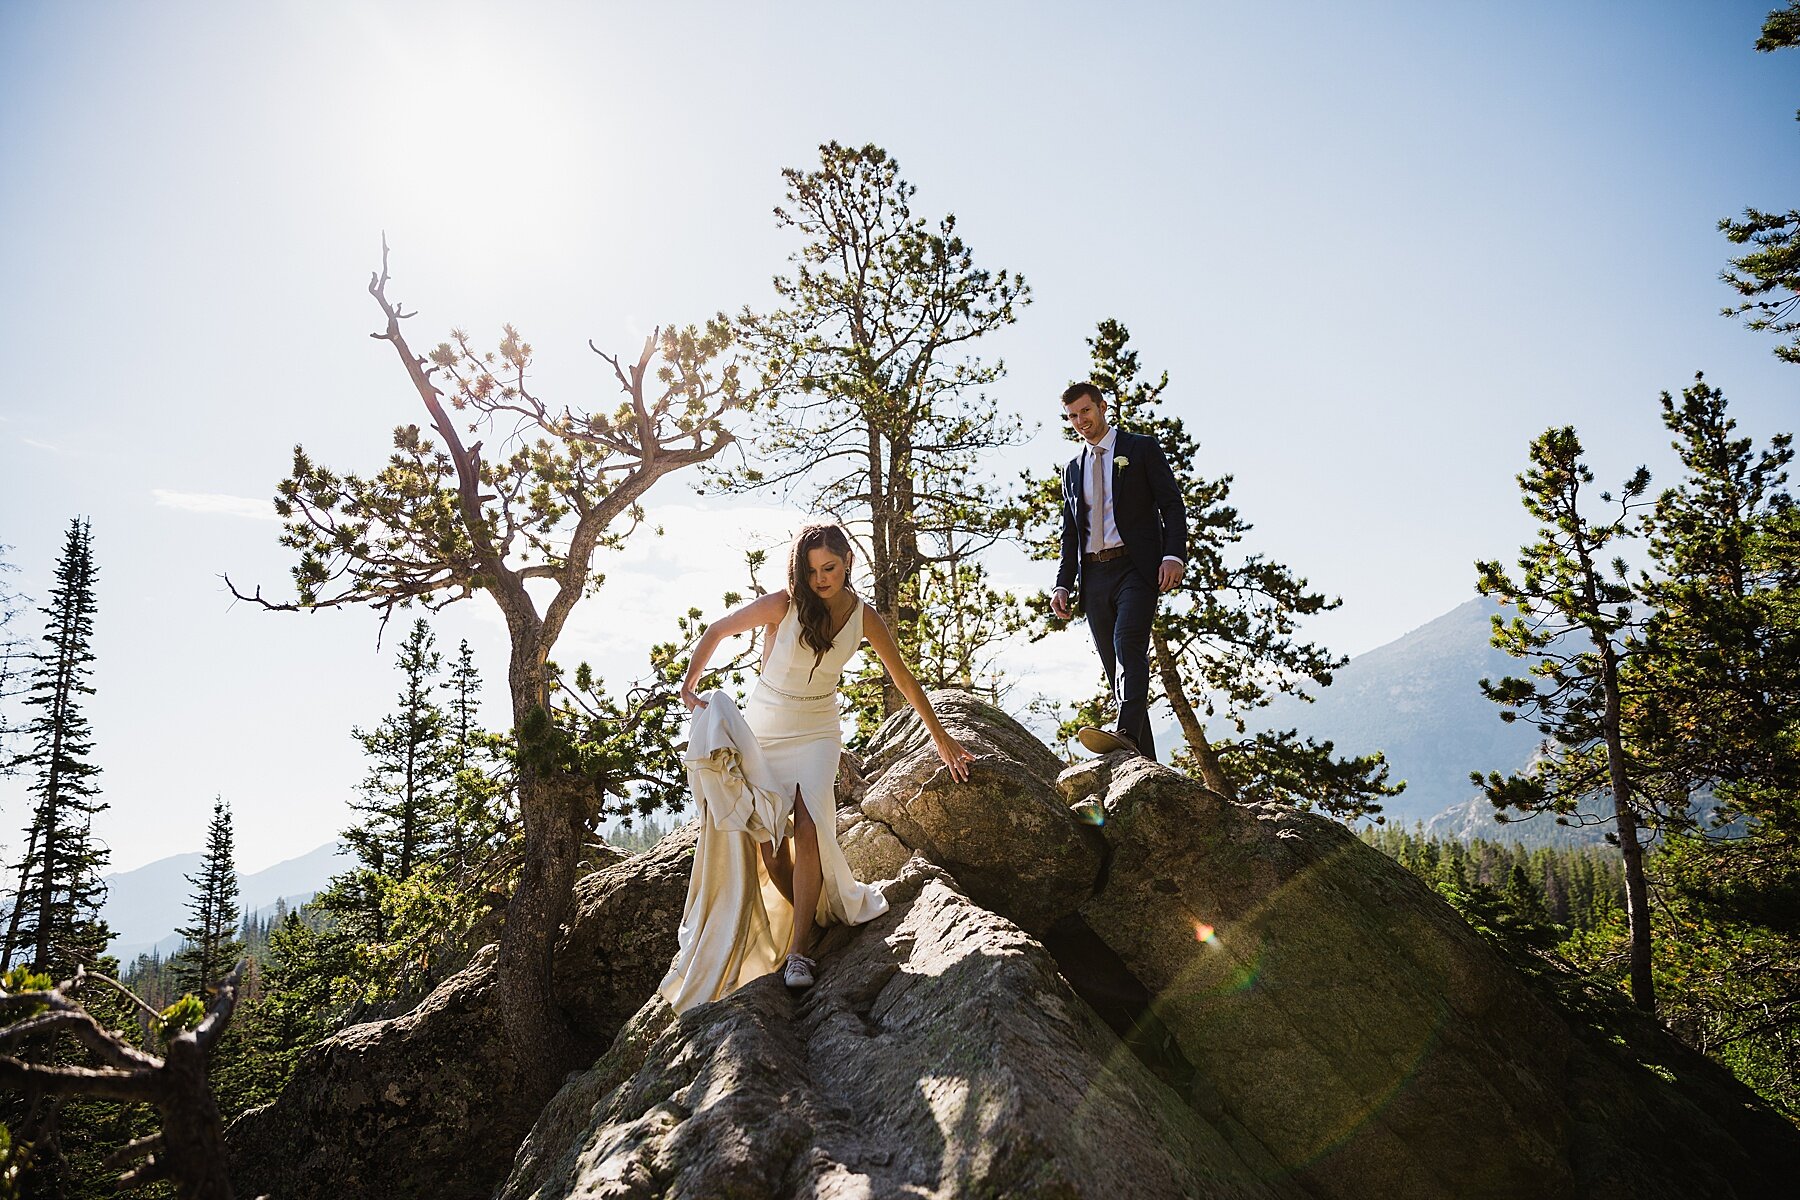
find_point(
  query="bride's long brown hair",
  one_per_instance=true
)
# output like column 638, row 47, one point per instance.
column 813, row 614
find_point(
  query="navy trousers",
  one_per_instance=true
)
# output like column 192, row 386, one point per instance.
column 1120, row 605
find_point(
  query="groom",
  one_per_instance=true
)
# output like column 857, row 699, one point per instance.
column 1124, row 538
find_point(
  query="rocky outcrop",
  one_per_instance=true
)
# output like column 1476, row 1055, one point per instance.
column 1338, row 1008
column 428, row 1104
column 1192, row 998
column 1006, row 836
column 941, row 1053
column 1236, row 1000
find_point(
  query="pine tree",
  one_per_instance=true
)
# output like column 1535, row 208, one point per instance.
column 1575, row 622
column 1722, row 683
column 1723, row 687
column 56, row 904
column 430, row 843
column 1768, row 275
column 214, row 943
column 296, row 1009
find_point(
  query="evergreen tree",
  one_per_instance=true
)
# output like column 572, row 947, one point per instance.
column 1723, row 673
column 213, row 941
column 472, row 819
column 1768, row 275
column 1576, row 623
column 1224, row 643
column 56, row 904
column 1723, row 688
column 297, row 1008
column 409, row 768
column 875, row 411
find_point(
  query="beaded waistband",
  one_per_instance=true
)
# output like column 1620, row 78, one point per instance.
column 792, row 695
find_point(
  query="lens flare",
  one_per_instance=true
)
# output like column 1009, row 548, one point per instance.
column 1205, row 933
column 1089, row 812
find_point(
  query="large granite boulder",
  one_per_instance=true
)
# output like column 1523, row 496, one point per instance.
column 940, row 1054
column 1274, row 971
column 1193, row 999
column 429, row 1103
column 1340, row 1009
column 1005, row 834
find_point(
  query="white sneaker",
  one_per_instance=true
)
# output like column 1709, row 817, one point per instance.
column 798, row 973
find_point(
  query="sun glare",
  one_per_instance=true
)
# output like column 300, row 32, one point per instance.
column 469, row 133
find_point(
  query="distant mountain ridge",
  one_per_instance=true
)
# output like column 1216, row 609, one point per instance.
column 145, row 906
column 1418, row 699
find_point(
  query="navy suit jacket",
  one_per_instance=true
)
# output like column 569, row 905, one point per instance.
column 1147, row 508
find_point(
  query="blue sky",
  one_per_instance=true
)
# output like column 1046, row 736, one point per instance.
column 1378, row 247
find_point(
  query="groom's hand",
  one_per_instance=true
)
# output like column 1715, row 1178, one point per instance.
column 1168, row 575
column 1059, row 604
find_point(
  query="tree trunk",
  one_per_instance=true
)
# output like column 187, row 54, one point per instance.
column 47, row 889
column 18, row 908
column 539, row 1038
column 1637, row 892
column 904, row 516
column 1212, row 772
column 192, row 1141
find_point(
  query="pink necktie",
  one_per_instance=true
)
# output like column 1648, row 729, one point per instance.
column 1097, row 518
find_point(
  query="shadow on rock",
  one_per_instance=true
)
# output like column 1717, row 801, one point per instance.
column 940, row 1054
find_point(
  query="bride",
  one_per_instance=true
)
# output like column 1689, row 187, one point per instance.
column 778, row 760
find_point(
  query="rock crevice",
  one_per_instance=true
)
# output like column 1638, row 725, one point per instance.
column 1193, row 998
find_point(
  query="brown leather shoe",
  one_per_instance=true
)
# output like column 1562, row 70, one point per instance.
column 1105, row 741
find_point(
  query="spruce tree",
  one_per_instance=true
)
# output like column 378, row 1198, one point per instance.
column 1576, row 623
column 471, row 817
column 213, row 941
column 408, row 766
column 56, row 903
column 404, row 792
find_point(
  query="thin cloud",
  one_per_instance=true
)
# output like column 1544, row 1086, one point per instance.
column 216, row 503
column 31, row 441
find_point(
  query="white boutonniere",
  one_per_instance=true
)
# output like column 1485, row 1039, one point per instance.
column 1120, row 461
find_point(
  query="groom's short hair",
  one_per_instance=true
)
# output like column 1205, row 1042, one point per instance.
column 1076, row 391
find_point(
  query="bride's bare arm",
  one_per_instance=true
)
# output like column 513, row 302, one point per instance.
column 764, row 610
column 948, row 748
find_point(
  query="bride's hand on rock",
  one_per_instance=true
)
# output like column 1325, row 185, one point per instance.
column 691, row 699
column 955, row 757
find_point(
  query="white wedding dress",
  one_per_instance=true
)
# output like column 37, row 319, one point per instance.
column 745, row 769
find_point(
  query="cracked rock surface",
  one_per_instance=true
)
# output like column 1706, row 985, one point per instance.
column 1193, row 999
column 940, row 1054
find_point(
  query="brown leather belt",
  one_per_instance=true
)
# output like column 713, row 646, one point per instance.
column 1106, row 555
